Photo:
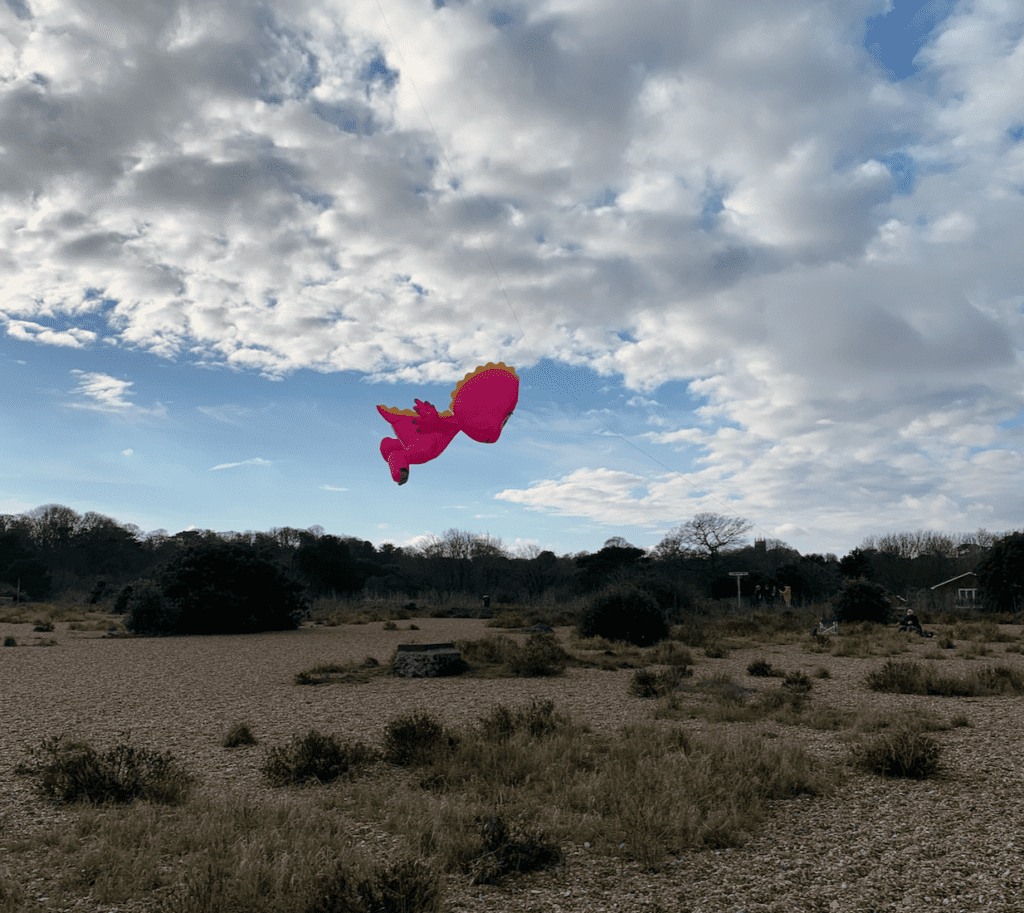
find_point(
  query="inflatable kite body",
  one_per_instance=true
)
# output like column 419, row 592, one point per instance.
column 481, row 404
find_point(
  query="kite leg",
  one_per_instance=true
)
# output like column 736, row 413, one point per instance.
column 399, row 467
column 393, row 452
column 389, row 445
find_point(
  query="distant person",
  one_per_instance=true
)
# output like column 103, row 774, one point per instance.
column 787, row 595
column 911, row 623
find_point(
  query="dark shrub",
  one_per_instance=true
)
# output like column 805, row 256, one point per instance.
column 657, row 684
column 239, row 734
column 539, row 719
column 123, row 600
column 797, row 682
column 624, row 613
column 75, row 771
column 507, row 851
column 905, row 752
column 10, row 642
column 1001, row 574
column 409, row 886
column 416, row 740
column 150, row 613
column 541, row 655
column 862, row 600
column 759, row 667
column 315, row 757
column 898, row 678
column 218, row 587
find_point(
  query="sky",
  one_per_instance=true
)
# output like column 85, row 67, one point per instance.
column 756, row 259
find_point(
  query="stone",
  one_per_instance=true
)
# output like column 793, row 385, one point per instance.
column 428, row 661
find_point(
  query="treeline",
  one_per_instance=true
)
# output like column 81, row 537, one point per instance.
column 55, row 553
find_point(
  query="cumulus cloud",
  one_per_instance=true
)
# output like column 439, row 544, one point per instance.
column 104, row 393
column 735, row 196
column 255, row 461
column 332, row 488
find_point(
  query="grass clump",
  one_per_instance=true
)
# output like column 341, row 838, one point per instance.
column 315, row 758
column 43, row 627
column 646, row 683
column 509, row 851
column 502, row 722
column 331, row 672
column 540, row 655
column 238, row 735
column 407, row 886
column 417, row 740
column 760, row 667
column 902, row 752
column 797, row 683
column 75, row 772
column 910, row 678
column 10, row 642
column 12, row 895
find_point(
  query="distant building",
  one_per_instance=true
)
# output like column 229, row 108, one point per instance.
column 960, row 592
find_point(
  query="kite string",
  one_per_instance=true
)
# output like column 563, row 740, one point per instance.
column 457, row 186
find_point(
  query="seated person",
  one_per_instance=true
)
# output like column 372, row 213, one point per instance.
column 910, row 622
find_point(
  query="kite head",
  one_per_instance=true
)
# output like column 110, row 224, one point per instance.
column 483, row 401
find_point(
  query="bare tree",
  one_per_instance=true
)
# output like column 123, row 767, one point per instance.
column 708, row 534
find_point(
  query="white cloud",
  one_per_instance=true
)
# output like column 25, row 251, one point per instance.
column 712, row 197
column 255, row 461
column 332, row 488
column 127, row 452
column 109, row 394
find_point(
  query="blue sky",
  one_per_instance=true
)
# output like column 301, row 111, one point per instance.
column 749, row 258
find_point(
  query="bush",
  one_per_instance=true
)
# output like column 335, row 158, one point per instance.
column 539, row 719
column 862, row 600
column 760, row 667
column 541, row 655
column 507, row 851
column 43, row 627
column 416, row 740
column 123, row 600
column 797, row 682
column 239, row 734
column 408, row 886
column 218, row 587
column 149, row 613
column 75, row 772
column 657, row 684
column 905, row 752
column 10, row 642
column 315, row 757
column 624, row 613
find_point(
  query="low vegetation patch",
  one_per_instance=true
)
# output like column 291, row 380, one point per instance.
column 911, row 678
column 417, row 740
column 72, row 771
column 760, row 667
column 316, row 758
column 239, row 734
column 507, row 850
column 646, row 683
column 900, row 752
column 362, row 672
column 407, row 886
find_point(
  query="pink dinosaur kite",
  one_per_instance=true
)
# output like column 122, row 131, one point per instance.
column 481, row 404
